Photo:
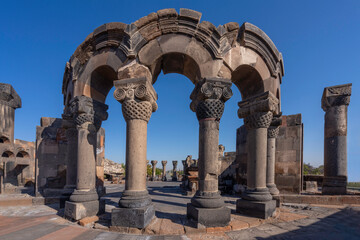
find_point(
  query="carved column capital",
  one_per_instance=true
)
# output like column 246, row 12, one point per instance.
column 138, row 98
column 258, row 110
column 174, row 164
column 273, row 130
column 153, row 163
column 336, row 96
column 164, row 163
column 209, row 97
column 85, row 111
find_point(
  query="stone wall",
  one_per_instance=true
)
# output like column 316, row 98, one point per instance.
column 17, row 157
column 289, row 155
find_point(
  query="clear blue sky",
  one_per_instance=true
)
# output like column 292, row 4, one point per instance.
column 319, row 40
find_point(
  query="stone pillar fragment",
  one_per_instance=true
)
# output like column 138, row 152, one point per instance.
column 9, row 101
column 163, row 178
column 153, row 176
column 70, row 158
column 138, row 99
column 272, row 133
column 88, row 115
column 174, row 176
column 208, row 101
column 335, row 101
column 257, row 112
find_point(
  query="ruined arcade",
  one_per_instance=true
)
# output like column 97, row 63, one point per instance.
column 66, row 165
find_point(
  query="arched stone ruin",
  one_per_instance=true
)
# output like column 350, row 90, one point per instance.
column 130, row 57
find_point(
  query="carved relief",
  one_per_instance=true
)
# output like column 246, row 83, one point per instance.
column 336, row 96
column 86, row 110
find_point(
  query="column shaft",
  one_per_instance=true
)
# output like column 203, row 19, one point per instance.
column 86, row 164
column 71, row 157
column 208, row 155
column 256, row 167
column 136, row 142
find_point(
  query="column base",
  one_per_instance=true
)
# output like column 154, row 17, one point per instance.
column 262, row 210
column 132, row 217
column 80, row 210
column 134, row 199
column 334, row 185
column 273, row 189
column 257, row 194
column 209, row 217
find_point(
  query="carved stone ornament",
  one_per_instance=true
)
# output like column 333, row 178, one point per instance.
column 87, row 110
column 8, row 96
column 258, row 110
column 163, row 163
column 137, row 96
column 209, row 97
column 336, row 96
column 273, row 130
column 264, row 102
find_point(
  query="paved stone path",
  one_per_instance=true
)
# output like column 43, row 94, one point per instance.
column 293, row 222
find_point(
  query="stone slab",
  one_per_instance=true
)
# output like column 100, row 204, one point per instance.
column 132, row 217
column 79, row 210
column 209, row 217
column 262, row 210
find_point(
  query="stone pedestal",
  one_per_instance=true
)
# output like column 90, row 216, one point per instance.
column 257, row 209
column 209, row 217
column 335, row 101
column 87, row 114
column 132, row 217
column 273, row 132
column 138, row 99
column 258, row 114
column 208, row 101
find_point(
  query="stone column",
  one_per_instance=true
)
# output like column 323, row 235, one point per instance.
column 164, row 171
column 335, row 101
column 174, row 176
column 9, row 101
column 88, row 115
column 138, row 99
column 208, row 101
column 153, row 176
column 71, row 153
column 70, row 157
column 272, row 133
column 257, row 112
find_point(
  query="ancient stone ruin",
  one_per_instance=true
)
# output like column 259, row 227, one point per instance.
column 17, row 159
column 267, row 165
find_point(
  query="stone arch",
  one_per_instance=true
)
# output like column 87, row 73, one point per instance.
column 4, row 139
column 22, row 154
column 174, row 42
column 131, row 56
column 7, row 154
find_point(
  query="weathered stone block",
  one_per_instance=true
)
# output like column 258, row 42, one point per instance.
column 209, row 217
column 262, row 210
column 132, row 217
column 79, row 210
